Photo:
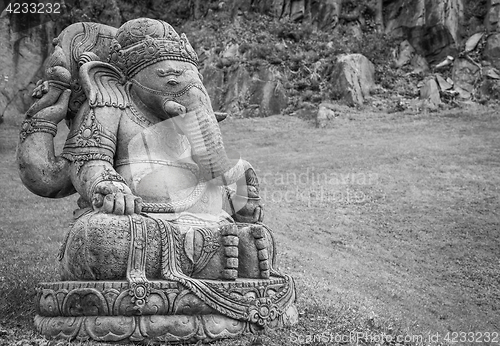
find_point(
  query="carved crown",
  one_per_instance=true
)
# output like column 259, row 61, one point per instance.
column 143, row 42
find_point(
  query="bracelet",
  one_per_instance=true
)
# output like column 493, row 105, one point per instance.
column 33, row 125
column 106, row 175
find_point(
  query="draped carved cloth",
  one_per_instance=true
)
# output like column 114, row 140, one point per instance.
column 223, row 301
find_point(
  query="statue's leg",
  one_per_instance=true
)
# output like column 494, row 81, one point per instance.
column 97, row 247
column 256, row 251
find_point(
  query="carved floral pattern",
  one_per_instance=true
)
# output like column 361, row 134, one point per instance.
column 89, row 132
column 263, row 312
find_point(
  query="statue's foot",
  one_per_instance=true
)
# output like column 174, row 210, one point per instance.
column 256, row 251
column 212, row 252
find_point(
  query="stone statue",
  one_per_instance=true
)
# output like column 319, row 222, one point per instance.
column 168, row 242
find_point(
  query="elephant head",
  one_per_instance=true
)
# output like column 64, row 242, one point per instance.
column 173, row 91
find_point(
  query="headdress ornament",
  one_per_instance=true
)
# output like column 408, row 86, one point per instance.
column 143, row 42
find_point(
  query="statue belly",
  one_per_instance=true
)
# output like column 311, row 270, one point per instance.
column 162, row 183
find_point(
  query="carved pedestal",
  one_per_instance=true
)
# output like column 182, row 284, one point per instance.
column 169, row 312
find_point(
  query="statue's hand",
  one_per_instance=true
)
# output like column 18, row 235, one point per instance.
column 115, row 198
column 247, row 193
column 249, row 184
column 252, row 212
column 53, row 104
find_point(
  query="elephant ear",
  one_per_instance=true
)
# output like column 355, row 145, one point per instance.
column 104, row 85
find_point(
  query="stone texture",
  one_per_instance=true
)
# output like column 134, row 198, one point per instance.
column 419, row 64
column 252, row 94
column 267, row 92
column 324, row 14
column 238, row 81
column 22, row 54
column 213, row 78
column 463, row 94
column 490, row 89
column 472, row 41
column 325, row 114
column 493, row 16
column 353, row 78
column 491, row 72
column 432, row 27
column 101, row 311
column 429, row 93
column 443, row 84
column 492, row 50
column 465, row 74
column 405, row 54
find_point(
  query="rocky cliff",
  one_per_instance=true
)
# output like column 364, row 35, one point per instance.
column 265, row 57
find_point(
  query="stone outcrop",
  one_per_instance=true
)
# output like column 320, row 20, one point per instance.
column 493, row 16
column 492, row 49
column 432, row 27
column 22, row 54
column 443, row 83
column 465, row 74
column 353, row 78
column 236, row 90
column 405, row 53
column 429, row 93
column 24, row 48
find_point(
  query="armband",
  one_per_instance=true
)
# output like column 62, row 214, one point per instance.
column 33, row 125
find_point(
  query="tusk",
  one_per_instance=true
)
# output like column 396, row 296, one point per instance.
column 174, row 109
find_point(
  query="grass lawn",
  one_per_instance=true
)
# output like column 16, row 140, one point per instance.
column 389, row 224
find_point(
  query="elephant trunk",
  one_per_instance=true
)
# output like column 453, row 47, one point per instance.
column 200, row 126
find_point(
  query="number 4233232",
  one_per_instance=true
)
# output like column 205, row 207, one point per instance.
column 28, row 7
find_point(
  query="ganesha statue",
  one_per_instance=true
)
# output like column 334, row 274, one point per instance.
column 167, row 243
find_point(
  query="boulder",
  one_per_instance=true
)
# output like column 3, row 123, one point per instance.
column 22, row 54
column 490, row 89
column 325, row 114
column 465, row 74
column 419, row 64
column 462, row 93
column 213, row 79
column 237, row 85
column 237, row 91
column 493, row 16
column 429, row 93
column 231, row 51
column 405, row 53
column 324, row 14
column 492, row 50
column 491, row 72
column 472, row 42
column 443, row 84
column 267, row 92
column 431, row 27
column 352, row 78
